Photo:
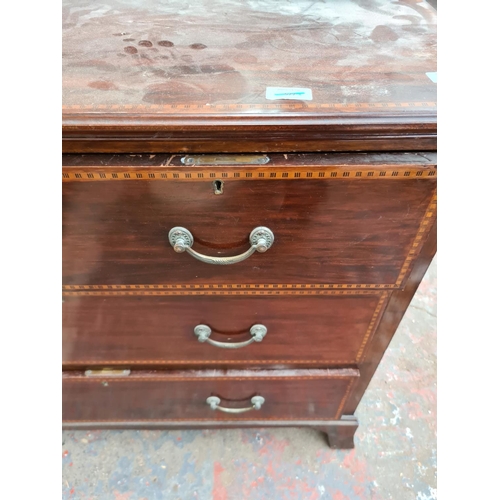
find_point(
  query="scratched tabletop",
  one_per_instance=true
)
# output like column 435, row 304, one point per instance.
column 204, row 56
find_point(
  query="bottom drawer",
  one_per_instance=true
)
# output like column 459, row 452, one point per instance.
column 182, row 395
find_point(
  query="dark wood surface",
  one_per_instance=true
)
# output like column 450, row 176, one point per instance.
column 339, row 434
column 94, row 133
column 395, row 310
column 326, row 231
column 353, row 160
column 181, row 396
column 165, row 79
column 151, row 76
column 154, row 331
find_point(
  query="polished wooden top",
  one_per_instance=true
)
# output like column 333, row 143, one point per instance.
column 132, row 67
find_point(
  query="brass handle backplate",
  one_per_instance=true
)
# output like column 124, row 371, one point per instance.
column 257, row 333
column 214, row 403
column 261, row 240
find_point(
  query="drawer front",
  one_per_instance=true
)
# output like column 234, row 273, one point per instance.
column 326, row 231
column 297, row 394
column 158, row 330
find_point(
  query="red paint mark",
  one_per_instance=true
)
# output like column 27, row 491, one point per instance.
column 65, row 453
column 273, row 448
column 179, row 439
column 338, row 495
column 414, row 410
column 359, row 491
column 308, row 491
column 219, row 491
column 71, row 464
column 348, row 459
column 269, row 468
column 256, row 483
column 72, row 491
column 121, row 496
column 427, row 394
column 354, row 464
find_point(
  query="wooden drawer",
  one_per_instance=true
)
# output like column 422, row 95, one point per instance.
column 327, row 230
column 158, row 330
column 182, row 396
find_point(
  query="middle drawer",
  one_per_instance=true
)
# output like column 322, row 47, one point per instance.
column 270, row 330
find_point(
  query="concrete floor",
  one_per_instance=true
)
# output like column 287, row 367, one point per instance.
column 394, row 458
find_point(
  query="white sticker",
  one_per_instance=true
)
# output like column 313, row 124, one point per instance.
column 433, row 76
column 274, row 93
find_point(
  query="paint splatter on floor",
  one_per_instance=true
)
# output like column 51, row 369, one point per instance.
column 394, row 458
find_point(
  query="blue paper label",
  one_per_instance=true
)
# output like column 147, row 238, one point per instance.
column 275, row 93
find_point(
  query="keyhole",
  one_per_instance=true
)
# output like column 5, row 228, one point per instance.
column 218, row 186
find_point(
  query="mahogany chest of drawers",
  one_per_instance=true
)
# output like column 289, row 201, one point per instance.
column 249, row 205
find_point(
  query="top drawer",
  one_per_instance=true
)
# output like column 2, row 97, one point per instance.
column 334, row 225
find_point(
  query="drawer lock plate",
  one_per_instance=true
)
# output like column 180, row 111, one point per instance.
column 225, row 160
column 107, row 372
